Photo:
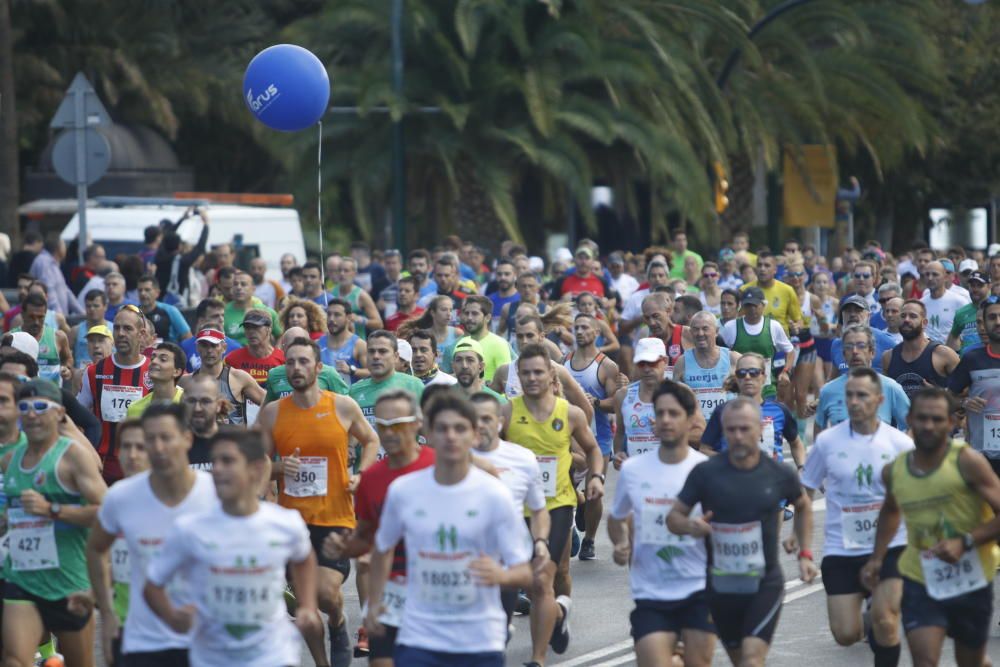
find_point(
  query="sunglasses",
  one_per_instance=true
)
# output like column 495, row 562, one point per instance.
column 862, row 276
column 39, row 407
column 796, row 274
column 396, row 424
column 749, row 372
column 135, row 309
column 710, row 275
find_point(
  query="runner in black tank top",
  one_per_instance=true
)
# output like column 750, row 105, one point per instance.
column 911, row 375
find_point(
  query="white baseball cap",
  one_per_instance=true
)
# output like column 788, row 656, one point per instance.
column 25, row 342
column 968, row 264
column 405, row 351
column 562, row 255
column 649, row 350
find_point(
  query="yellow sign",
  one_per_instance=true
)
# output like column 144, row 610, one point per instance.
column 810, row 186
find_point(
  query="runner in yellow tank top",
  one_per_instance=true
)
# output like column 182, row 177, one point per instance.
column 309, row 431
column 949, row 497
column 545, row 424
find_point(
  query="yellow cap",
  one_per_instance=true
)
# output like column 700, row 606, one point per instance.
column 100, row 330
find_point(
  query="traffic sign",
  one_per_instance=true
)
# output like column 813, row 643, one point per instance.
column 94, row 112
column 97, row 158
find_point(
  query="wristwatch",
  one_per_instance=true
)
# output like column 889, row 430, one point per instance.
column 968, row 543
column 600, row 476
column 354, row 369
column 54, row 510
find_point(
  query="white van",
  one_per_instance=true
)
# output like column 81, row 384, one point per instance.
column 255, row 231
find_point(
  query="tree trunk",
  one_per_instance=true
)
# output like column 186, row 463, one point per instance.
column 473, row 216
column 9, row 167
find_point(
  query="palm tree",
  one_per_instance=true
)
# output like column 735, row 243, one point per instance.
column 556, row 95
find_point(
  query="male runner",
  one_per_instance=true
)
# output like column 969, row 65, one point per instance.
column 341, row 347
column 845, row 462
column 598, row 376
column 977, row 377
column 234, row 557
column 383, row 357
column 777, row 421
column 113, row 384
column 310, row 430
column 204, row 409
column 363, row 314
column 167, row 320
column 242, row 301
column 941, row 301
column 54, row 352
column 53, row 488
column 964, row 332
column 739, row 492
column 779, row 299
column 666, row 571
column 918, row 360
column 854, row 312
column 475, row 319
column 949, row 498
column 705, row 367
column 397, row 422
column 259, row 356
column 236, row 386
column 469, row 367
column 277, row 378
column 656, row 310
column 859, row 347
column 210, row 314
column 518, row 469
column 756, row 332
column 545, row 424
column 423, row 344
column 96, row 308
column 142, row 510
column 166, row 366
column 458, row 523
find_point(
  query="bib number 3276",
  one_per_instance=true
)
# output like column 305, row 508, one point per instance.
column 947, row 580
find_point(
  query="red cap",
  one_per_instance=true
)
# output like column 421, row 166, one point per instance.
column 213, row 336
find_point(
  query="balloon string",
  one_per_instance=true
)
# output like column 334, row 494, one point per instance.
column 319, row 213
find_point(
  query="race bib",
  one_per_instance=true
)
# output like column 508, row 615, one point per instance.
column 444, row 580
column 858, row 524
column 549, row 467
column 252, row 411
column 653, row 524
column 709, row 400
column 310, row 480
column 237, row 596
column 394, row 601
column 947, row 580
column 767, row 437
column 991, row 432
column 116, row 399
column 737, row 549
column 767, row 371
column 120, row 571
column 32, row 541
column 636, row 447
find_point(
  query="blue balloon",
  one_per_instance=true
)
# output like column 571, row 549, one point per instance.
column 286, row 87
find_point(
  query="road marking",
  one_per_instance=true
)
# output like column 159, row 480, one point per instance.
column 594, row 655
column 815, row 588
column 620, row 660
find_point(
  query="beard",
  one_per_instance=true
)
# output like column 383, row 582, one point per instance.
column 910, row 333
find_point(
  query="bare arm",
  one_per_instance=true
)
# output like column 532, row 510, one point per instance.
column 946, row 360
column 595, row 460
column 371, row 312
column 679, row 370
column 249, row 390
column 500, row 379
column 574, row 392
column 611, row 344
column 798, row 450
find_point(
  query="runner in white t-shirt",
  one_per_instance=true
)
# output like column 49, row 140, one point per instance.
column 941, row 302
column 518, row 470
column 140, row 511
column 847, row 462
column 667, row 571
column 233, row 557
column 459, row 524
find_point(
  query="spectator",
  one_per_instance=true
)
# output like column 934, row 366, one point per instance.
column 173, row 263
column 93, row 259
column 288, row 262
column 20, row 262
column 152, row 236
column 46, row 270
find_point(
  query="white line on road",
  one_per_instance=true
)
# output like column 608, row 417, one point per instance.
column 815, row 588
column 594, row 655
column 620, row 660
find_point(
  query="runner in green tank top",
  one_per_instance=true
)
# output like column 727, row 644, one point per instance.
column 53, row 488
column 364, row 314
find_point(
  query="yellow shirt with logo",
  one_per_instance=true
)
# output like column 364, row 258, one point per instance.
column 782, row 302
column 547, row 438
column 936, row 506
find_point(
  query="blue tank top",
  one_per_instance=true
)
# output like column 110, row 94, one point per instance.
column 706, row 383
column 772, row 418
column 81, row 356
column 589, row 380
column 330, row 356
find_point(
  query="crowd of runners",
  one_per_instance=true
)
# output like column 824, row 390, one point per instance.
column 454, row 426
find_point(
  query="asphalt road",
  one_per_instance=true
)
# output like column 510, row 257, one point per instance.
column 601, row 606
